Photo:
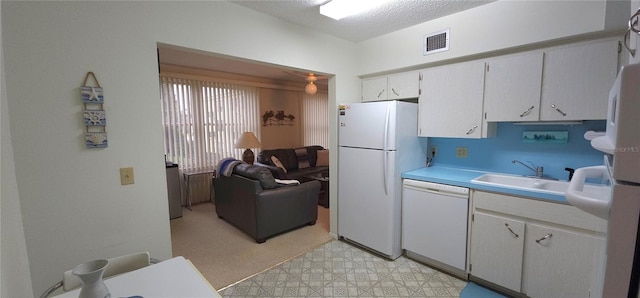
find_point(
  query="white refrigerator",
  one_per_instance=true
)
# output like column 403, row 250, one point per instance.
column 619, row 274
column 377, row 142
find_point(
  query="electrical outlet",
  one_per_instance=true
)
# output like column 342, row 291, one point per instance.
column 126, row 176
column 434, row 151
column 461, row 152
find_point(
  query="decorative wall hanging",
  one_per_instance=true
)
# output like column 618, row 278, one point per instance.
column 94, row 116
column 555, row 137
column 278, row 118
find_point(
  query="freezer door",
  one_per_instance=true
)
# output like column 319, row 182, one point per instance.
column 368, row 125
column 369, row 213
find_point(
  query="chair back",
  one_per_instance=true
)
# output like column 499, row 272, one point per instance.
column 117, row 265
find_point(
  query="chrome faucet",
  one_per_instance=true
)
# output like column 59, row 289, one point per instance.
column 537, row 170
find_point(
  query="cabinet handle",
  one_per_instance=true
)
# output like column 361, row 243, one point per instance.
column 510, row 230
column 559, row 111
column 394, row 92
column 626, row 37
column 470, row 131
column 527, row 112
column 380, row 93
column 547, row 236
column 633, row 22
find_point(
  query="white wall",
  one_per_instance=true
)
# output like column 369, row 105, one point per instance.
column 495, row 26
column 73, row 207
column 15, row 280
column 280, row 136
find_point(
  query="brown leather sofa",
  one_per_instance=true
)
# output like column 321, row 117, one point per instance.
column 251, row 200
column 291, row 162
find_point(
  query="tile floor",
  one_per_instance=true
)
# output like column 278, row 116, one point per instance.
column 338, row 269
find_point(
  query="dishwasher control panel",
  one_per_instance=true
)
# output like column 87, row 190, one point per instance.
column 435, row 186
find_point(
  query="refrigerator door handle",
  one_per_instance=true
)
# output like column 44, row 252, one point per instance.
column 385, row 159
column 386, row 128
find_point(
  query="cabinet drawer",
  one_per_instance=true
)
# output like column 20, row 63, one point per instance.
column 556, row 213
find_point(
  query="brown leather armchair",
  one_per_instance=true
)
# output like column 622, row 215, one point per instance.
column 251, row 200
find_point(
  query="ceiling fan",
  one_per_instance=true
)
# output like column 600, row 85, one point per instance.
column 311, row 78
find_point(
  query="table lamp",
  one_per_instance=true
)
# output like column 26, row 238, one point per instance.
column 246, row 141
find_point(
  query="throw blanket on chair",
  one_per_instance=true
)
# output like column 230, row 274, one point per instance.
column 226, row 165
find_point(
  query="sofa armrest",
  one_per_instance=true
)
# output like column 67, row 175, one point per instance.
column 235, row 200
column 277, row 172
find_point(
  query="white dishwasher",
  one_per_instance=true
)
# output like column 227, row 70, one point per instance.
column 434, row 224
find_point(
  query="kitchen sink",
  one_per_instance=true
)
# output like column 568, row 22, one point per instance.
column 528, row 183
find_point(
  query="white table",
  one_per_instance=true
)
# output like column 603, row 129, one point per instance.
column 175, row 277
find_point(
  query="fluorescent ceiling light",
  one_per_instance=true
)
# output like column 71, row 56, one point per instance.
column 338, row 9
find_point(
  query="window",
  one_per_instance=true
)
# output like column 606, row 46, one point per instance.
column 315, row 122
column 202, row 121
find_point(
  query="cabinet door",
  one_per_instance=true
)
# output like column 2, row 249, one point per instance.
column 403, row 85
column 560, row 263
column 496, row 250
column 577, row 80
column 450, row 104
column 512, row 87
column 374, row 89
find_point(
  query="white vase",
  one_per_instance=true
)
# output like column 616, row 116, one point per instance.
column 91, row 275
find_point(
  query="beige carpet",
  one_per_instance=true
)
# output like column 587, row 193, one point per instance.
column 225, row 255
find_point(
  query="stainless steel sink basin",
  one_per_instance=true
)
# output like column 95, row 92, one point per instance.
column 526, row 183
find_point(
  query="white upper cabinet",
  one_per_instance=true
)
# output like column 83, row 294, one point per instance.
column 577, row 79
column 450, row 103
column 374, row 89
column 397, row 86
column 564, row 83
column 512, row 87
column 403, row 85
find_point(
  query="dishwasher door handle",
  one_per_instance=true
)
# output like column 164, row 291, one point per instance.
column 436, row 191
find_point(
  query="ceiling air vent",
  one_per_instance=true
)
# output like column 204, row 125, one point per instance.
column 436, row 42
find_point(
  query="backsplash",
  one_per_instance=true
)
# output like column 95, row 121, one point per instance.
column 495, row 154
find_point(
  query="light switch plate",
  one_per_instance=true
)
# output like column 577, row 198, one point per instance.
column 126, row 176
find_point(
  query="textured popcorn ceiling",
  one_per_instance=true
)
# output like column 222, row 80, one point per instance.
column 392, row 16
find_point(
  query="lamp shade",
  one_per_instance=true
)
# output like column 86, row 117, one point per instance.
column 248, row 140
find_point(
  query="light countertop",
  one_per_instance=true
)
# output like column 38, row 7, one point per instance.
column 463, row 177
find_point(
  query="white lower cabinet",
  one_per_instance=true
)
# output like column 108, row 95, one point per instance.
column 538, row 248
column 496, row 250
column 558, row 263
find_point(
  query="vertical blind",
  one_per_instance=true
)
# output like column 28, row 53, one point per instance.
column 315, row 122
column 202, row 121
